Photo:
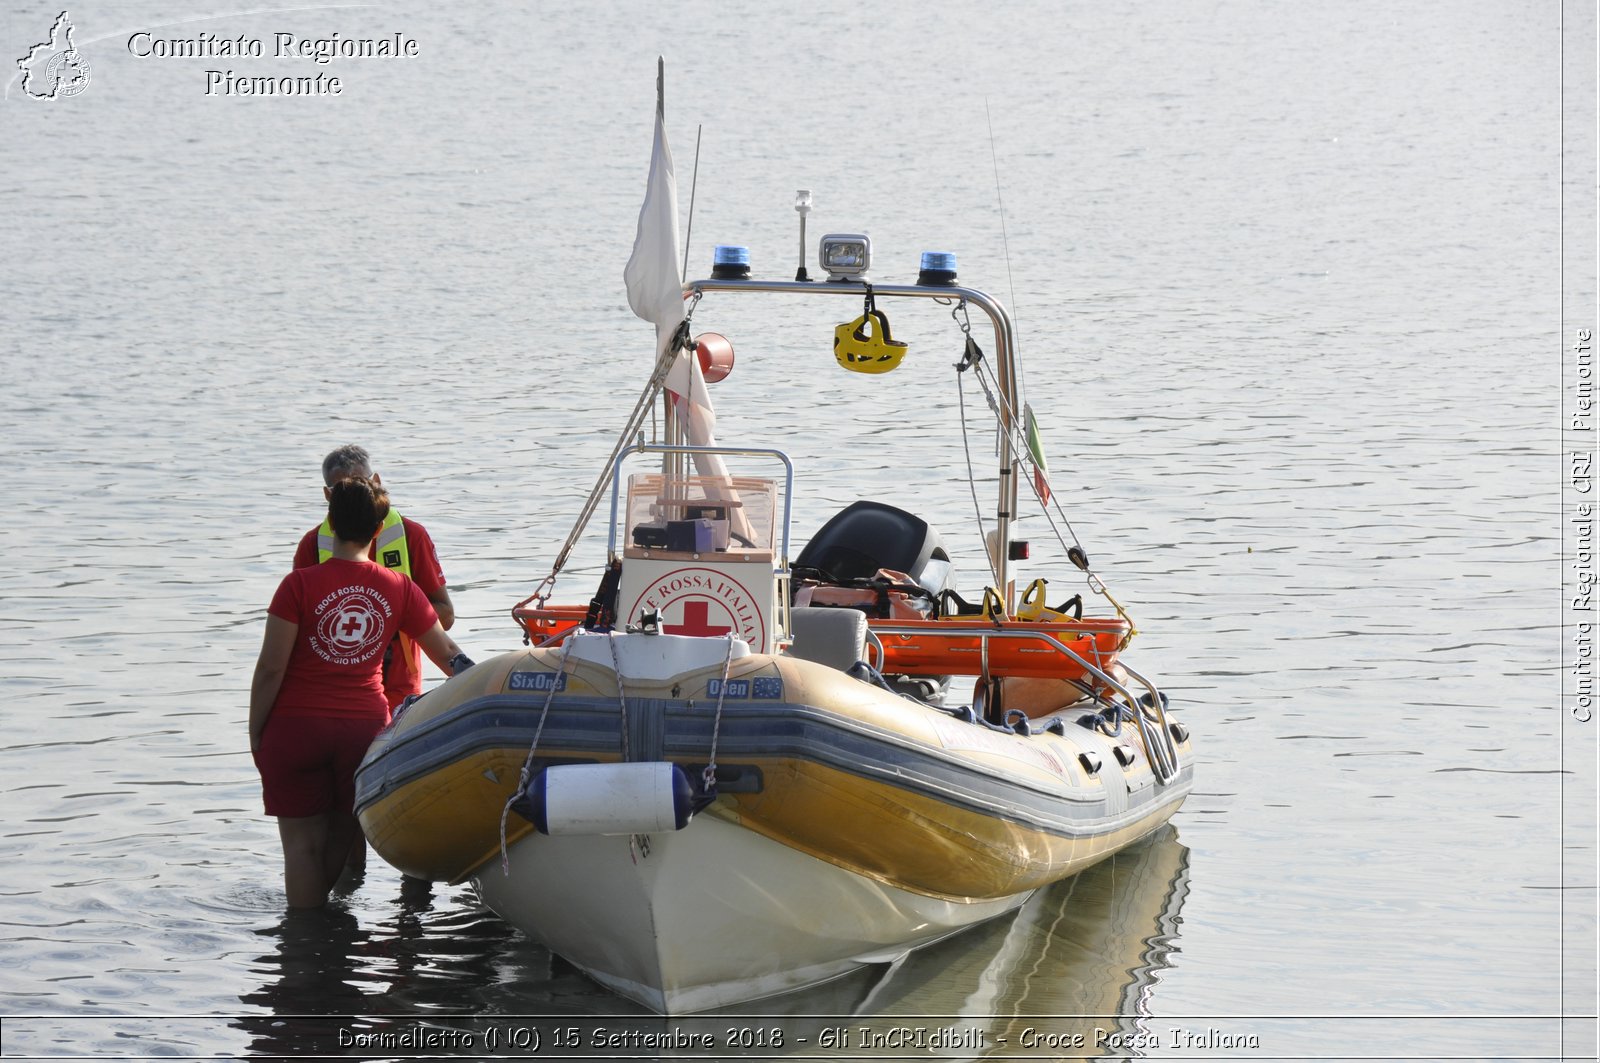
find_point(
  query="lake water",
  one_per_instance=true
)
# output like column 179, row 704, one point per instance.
column 1290, row 292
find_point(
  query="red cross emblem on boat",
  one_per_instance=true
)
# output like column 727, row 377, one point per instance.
column 703, row 602
column 696, row 621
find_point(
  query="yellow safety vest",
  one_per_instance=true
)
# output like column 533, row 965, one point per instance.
column 390, row 551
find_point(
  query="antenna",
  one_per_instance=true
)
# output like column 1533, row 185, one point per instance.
column 1005, row 241
column 802, row 206
column 694, row 183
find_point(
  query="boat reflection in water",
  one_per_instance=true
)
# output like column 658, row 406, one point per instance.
column 1079, row 962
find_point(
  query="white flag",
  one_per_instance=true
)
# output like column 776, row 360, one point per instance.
column 655, row 292
column 655, row 287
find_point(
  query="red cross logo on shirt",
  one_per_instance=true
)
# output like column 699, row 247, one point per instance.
column 351, row 629
column 696, row 621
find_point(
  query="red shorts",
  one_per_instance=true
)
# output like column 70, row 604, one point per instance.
column 308, row 763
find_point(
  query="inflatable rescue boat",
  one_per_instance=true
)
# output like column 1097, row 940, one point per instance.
column 730, row 775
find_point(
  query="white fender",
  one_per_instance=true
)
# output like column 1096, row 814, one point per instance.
column 610, row 798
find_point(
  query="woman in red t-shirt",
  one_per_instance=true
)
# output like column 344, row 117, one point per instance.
column 317, row 699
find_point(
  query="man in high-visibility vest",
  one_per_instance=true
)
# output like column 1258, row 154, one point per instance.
column 403, row 545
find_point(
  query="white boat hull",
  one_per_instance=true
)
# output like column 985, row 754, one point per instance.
column 711, row 915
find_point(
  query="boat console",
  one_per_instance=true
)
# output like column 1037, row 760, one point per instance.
column 702, row 554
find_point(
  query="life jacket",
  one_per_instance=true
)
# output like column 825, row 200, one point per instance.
column 390, row 550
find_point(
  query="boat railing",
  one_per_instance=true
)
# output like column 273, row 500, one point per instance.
column 720, row 451
column 1009, row 407
column 1152, row 709
column 1148, row 713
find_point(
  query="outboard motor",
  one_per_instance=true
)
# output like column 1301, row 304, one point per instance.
column 867, row 536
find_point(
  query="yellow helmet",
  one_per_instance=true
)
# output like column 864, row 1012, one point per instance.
column 866, row 346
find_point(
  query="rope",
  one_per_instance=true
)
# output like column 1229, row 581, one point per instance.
column 622, row 696
column 1005, row 415
column 522, row 781
column 641, row 410
column 972, row 479
column 638, row 845
column 709, row 776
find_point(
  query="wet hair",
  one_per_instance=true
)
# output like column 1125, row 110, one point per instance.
column 356, row 509
column 345, row 462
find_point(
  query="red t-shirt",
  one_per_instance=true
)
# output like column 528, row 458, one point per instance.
column 403, row 676
column 347, row 613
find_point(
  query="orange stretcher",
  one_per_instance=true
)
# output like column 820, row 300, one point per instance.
column 953, row 646
column 988, row 647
